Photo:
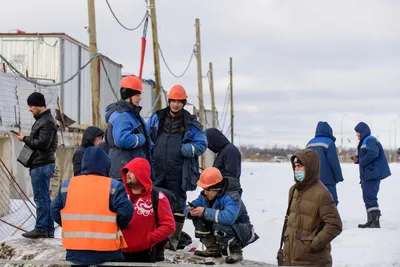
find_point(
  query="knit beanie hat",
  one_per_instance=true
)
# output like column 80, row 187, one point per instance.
column 127, row 93
column 36, row 99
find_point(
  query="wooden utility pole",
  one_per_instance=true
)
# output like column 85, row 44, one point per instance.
column 156, row 53
column 231, row 86
column 200, row 82
column 94, row 75
column 214, row 115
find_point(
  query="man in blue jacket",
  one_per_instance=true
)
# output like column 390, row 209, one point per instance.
column 178, row 140
column 95, row 166
column 373, row 168
column 220, row 217
column 324, row 144
column 126, row 134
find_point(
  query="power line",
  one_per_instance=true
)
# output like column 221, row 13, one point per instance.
column 108, row 78
column 166, row 64
column 48, row 84
column 122, row 25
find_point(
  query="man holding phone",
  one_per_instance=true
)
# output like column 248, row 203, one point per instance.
column 43, row 141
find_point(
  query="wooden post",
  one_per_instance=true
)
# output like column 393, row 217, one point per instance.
column 156, row 54
column 231, row 86
column 213, row 110
column 200, row 82
column 94, row 77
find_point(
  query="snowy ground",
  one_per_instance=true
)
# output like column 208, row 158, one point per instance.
column 265, row 194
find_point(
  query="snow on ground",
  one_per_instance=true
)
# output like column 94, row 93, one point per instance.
column 266, row 187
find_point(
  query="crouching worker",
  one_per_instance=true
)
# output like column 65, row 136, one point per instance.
column 149, row 225
column 220, row 217
column 92, row 209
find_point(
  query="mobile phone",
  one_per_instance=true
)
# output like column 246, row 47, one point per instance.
column 14, row 132
column 191, row 205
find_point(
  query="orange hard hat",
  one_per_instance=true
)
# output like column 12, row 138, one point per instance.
column 132, row 82
column 177, row 92
column 209, row 177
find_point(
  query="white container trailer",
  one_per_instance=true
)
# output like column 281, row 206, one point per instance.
column 56, row 57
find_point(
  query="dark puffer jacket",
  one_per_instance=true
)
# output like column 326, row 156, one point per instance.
column 88, row 138
column 229, row 159
column 313, row 221
column 43, row 139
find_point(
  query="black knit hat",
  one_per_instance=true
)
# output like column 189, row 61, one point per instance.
column 297, row 160
column 36, row 99
column 127, row 93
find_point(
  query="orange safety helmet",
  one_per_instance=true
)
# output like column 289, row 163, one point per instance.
column 209, row 177
column 132, row 82
column 177, row 92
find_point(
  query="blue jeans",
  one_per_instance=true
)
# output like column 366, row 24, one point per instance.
column 40, row 178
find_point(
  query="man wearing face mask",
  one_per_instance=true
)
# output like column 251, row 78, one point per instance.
column 126, row 134
column 178, row 140
column 313, row 220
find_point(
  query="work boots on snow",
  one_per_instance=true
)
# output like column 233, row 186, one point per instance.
column 212, row 248
column 35, row 234
column 372, row 220
column 175, row 237
column 235, row 254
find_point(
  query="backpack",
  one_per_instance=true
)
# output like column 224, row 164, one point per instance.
column 155, row 192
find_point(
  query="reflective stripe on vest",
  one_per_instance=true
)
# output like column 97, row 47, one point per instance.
column 87, row 222
column 318, row 144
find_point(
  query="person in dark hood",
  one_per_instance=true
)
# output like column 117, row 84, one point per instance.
column 220, row 217
column 92, row 209
column 324, row 144
column 146, row 229
column 313, row 219
column 126, row 134
column 373, row 167
column 92, row 136
column 228, row 159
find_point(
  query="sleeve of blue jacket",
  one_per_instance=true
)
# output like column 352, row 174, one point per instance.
column 228, row 215
column 334, row 162
column 151, row 125
column 124, row 137
column 198, row 146
column 56, row 206
column 372, row 152
column 120, row 204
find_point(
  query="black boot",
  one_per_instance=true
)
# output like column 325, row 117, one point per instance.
column 375, row 214
column 235, row 254
column 212, row 248
column 159, row 250
column 35, row 234
column 368, row 223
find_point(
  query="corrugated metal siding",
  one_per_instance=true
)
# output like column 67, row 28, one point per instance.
column 147, row 101
column 85, row 90
column 9, row 100
column 69, row 91
column 106, row 92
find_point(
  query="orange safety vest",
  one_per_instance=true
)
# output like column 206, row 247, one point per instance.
column 87, row 222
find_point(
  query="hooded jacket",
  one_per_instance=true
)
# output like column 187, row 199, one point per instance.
column 143, row 232
column 88, row 138
column 95, row 161
column 324, row 145
column 371, row 156
column 313, row 220
column 228, row 159
column 126, row 136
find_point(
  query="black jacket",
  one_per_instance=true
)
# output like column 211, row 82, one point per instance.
column 229, row 159
column 43, row 139
column 89, row 135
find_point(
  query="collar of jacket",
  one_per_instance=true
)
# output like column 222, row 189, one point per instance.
column 41, row 114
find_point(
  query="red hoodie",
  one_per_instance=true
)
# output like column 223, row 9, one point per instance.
column 142, row 232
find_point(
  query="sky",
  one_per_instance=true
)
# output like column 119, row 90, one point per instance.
column 294, row 62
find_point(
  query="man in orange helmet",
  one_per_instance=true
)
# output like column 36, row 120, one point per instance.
column 126, row 133
column 179, row 140
column 220, row 217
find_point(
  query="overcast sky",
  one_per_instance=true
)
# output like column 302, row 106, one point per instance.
column 295, row 62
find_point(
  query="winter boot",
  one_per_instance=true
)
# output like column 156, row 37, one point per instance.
column 35, row 234
column 159, row 250
column 234, row 254
column 175, row 237
column 375, row 214
column 368, row 223
column 212, row 248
